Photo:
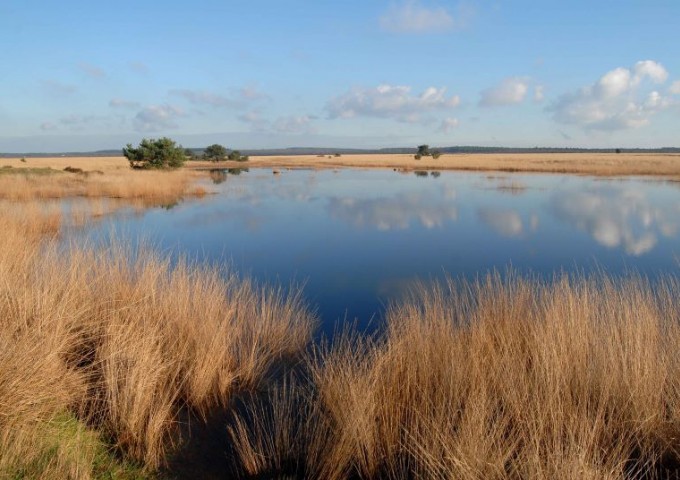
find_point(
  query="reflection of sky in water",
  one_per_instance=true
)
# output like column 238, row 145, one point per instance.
column 360, row 237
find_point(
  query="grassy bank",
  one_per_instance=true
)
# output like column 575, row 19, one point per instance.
column 102, row 350
column 105, row 353
column 515, row 378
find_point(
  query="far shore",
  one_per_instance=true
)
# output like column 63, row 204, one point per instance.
column 600, row 164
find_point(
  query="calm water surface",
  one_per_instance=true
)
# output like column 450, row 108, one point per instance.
column 359, row 238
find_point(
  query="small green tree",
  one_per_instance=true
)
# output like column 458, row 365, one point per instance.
column 423, row 150
column 155, row 153
column 215, row 152
column 189, row 153
column 237, row 157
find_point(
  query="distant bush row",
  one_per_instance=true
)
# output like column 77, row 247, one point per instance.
column 166, row 153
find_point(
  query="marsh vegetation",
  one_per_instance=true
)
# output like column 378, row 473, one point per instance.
column 109, row 354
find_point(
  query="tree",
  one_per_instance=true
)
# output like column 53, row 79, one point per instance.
column 189, row 153
column 237, row 157
column 155, row 153
column 423, row 150
column 215, row 152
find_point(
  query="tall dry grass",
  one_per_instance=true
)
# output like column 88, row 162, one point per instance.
column 124, row 341
column 503, row 378
column 151, row 187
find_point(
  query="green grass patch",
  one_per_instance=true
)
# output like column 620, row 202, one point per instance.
column 69, row 449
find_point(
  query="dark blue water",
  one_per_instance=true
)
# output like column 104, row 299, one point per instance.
column 358, row 238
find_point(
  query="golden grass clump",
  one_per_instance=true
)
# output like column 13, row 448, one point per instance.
column 502, row 378
column 124, row 340
column 151, row 187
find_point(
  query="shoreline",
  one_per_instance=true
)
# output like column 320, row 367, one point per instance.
column 661, row 165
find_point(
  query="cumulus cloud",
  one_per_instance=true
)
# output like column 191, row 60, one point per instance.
column 616, row 217
column 393, row 213
column 390, row 101
column 506, row 222
column 448, row 124
column 154, row 118
column 121, row 103
column 510, row 91
column 675, row 88
column 411, row 16
column 616, row 101
column 293, row 124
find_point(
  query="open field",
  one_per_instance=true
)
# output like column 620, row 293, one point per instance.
column 661, row 165
column 107, row 355
column 607, row 164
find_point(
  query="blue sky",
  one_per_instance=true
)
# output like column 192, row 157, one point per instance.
column 83, row 75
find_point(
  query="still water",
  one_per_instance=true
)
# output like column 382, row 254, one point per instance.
column 358, row 238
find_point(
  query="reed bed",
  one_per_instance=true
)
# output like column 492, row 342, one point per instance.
column 506, row 378
column 121, row 343
column 151, row 187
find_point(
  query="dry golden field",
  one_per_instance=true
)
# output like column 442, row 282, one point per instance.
column 661, row 165
column 654, row 164
column 105, row 351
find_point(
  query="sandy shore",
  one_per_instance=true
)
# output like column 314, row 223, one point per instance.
column 606, row 164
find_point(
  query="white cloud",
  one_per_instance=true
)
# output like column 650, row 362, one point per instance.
column 155, row 118
column 616, row 101
column 650, row 69
column 201, row 97
column 390, row 101
column 675, row 88
column 293, row 124
column 510, row 91
column 413, row 17
column 121, row 103
column 449, row 124
column 47, row 126
column 538, row 94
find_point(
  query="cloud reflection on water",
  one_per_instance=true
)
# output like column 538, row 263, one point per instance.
column 395, row 213
column 505, row 221
column 616, row 217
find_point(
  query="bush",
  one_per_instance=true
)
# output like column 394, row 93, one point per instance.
column 237, row 157
column 215, row 153
column 152, row 153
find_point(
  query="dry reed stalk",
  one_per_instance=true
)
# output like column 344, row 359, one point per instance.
column 125, row 340
column 502, row 378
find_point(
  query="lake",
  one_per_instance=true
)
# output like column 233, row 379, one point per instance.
column 359, row 238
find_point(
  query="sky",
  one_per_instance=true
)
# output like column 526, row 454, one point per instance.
column 82, row 75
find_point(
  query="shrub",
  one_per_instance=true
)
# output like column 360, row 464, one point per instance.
column 237, row 157
column 152, row 153
column 215, row 153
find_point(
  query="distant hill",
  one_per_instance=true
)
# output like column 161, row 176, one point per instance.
column 350, row 151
